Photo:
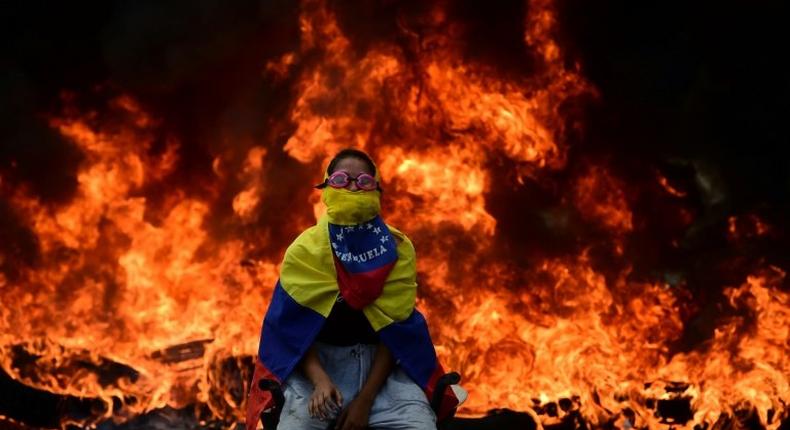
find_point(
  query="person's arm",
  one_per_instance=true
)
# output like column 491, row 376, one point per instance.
column 325, row 393
column 358, row 411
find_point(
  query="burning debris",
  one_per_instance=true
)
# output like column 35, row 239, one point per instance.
column 573, row 285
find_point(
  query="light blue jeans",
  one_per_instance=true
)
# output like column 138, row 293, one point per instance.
column 400, row 404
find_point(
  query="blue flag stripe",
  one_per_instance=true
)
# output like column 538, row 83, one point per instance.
column 411, row 346
column 288, row 331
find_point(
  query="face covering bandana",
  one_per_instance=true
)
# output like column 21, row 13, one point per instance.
column 345, row 207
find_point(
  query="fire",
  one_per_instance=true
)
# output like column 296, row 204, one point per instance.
column 167, row 282
column 122, row 281
column 246, row 202
column 442, row 191
column 747, row 226
column 600, row 197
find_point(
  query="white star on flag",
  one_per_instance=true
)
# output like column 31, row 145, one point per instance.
column 377, row 230
column 384, row 238
column 369, row 226
column 339, row 236
column 334, row 245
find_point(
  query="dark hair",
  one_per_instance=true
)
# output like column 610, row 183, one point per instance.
column 351, row 153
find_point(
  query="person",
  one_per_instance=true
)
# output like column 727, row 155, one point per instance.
column 341, row 334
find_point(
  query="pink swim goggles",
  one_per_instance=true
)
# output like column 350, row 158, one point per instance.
column 341, row 179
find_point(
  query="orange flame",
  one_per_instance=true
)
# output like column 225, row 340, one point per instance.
column 150, row 286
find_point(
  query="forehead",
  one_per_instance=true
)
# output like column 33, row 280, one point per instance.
column 352, row 165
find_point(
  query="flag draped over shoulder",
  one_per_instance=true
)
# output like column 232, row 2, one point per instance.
column 373, row 266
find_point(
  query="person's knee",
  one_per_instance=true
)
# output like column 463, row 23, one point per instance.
column 292, row 419
column 403, row 415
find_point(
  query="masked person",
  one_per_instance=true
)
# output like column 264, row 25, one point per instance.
column 342, row 335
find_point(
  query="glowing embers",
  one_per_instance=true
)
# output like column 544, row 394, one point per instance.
column 747, row 226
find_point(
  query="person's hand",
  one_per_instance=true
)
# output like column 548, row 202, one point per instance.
column 325, row 400
column 356, row 416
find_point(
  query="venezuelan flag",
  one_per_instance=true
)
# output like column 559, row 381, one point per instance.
column 373, row 265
